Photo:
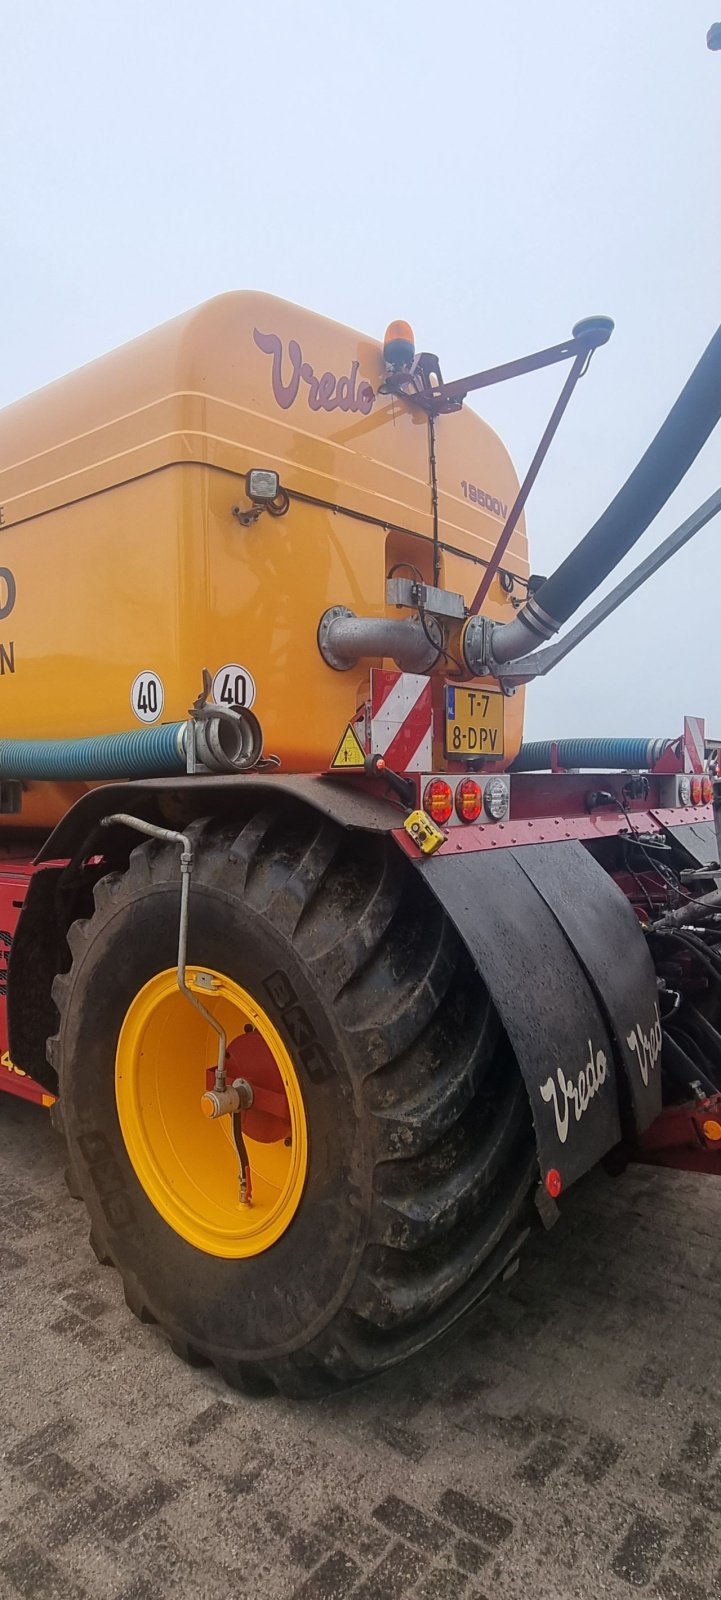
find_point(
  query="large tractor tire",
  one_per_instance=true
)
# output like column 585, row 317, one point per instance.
column 392, row 1176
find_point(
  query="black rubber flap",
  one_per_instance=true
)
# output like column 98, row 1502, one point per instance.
column 698, row 839
column 605, row 933
column 545, row 1002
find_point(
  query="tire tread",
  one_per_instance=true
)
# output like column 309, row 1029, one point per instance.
column 454, row 1157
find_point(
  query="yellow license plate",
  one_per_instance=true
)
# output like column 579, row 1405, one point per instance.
column 474, row 722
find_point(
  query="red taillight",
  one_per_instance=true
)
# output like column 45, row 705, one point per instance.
column 438, row 799
column 469, row 800
column 706, row 791
column 696, row 790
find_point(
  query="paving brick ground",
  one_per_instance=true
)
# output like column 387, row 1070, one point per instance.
column 567, row 1448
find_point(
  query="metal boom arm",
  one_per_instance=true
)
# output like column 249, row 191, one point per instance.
column 537, row 665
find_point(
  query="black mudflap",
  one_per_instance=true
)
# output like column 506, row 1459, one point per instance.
column 567, row 967
column 603, row 929
column 697, row 841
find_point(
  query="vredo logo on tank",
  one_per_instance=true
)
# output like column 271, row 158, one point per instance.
column 328, row 392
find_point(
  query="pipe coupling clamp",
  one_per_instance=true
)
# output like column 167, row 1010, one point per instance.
column 229, row 743
column 476, row 645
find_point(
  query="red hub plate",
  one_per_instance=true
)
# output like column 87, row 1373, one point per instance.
column 268, row 1119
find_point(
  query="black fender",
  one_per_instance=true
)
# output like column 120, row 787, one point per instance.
column 161, row 799
column 567, row 967
column 60, row 893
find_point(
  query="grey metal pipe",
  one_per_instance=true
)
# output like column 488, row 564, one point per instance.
column 345, row 639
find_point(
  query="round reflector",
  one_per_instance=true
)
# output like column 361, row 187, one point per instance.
column 469, row 800
column 438, row 799
column 495, row 798
column 554, row 1183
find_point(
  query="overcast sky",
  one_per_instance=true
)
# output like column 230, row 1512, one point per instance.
column 491, row 170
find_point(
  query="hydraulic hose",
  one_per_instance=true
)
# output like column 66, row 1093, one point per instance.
column 605, row 755
column 156, row 752
column 666, row 461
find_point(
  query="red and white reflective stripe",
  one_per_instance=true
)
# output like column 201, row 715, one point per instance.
column 694, row 744
column 402, row 720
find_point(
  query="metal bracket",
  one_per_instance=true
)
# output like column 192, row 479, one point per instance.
column 415, row 595
column 424, row 386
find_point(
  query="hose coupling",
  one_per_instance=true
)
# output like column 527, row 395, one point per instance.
column 227, row 1102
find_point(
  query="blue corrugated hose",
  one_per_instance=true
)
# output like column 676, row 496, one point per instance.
column 623, row 755
column 144, row 753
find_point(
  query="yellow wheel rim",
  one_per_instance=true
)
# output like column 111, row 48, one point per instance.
column 187, row 1165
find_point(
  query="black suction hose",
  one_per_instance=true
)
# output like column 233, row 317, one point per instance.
column 652, row 482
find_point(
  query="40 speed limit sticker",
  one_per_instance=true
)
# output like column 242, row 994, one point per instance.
column 147, row 697
column 234, row 686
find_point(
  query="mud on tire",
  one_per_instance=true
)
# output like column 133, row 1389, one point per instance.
column 422, row 1158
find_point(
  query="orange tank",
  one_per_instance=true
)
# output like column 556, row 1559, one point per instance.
column 125, row 571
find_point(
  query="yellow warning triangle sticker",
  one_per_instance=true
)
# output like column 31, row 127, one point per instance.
column 350, row 752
